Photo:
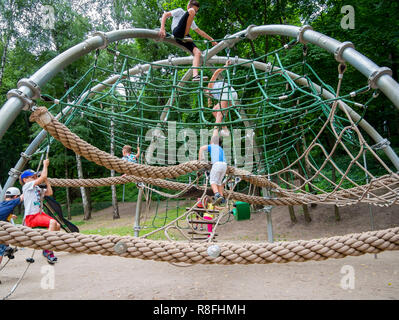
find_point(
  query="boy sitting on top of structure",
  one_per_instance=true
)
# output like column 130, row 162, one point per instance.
column 182, row 22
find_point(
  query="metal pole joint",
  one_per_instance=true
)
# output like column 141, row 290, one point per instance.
column 301, row 32
column 34, row 87
column 381, row 145
column 26, row 156
column 103, row 36
column 248, row 32
column 339, row 51
column 26, row 101
column 377, row 74
column 14, row 173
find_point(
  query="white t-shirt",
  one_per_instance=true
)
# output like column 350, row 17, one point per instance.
column 32, row 195
column 177, row 14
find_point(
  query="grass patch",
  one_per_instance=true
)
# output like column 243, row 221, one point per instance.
column 148, row 226
column 77, row 208
column 119, row 231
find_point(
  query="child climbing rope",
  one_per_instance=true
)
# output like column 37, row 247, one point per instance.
column 224, row 93
column 208, row 215
column 128, row 156
column 182, row 22
column 13, row 198
column 199, row 215
column 219, row 166
column 34, row 216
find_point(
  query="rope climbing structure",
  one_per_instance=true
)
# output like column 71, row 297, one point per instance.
column 292, row 137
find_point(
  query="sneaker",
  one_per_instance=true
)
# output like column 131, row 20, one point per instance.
column 218, row 199
column 49, row 255
column 52, row 256
column 9, row 252
column 198, row 78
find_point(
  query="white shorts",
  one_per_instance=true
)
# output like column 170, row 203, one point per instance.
column 221, row 91
column 218, row 172
column 226, row 96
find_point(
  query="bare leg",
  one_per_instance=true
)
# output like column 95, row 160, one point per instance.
column 215, row 188
column 196, row 61
column 220, row 190
column 217, row 114
column 54, row 226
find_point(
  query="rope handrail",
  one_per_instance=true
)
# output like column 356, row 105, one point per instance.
column 285, row 197
column 355, row 244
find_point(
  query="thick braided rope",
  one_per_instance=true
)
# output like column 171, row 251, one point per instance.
column 196, row 253
column 290, row 198
column 171, row 185
column 71, row 141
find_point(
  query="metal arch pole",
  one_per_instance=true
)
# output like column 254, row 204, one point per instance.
column 15, row 172
column 360, row 62
column 186, row 60
column 138, row 211
column 14, row 105
column 259, row 65
column 385, row 82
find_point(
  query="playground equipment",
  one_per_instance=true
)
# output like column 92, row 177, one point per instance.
column 297, row 128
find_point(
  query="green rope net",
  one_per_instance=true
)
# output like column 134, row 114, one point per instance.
column 282, row 124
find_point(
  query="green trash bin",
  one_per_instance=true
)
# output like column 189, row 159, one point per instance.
column 242, row 211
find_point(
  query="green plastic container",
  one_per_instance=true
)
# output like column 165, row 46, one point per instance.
column 242, row 211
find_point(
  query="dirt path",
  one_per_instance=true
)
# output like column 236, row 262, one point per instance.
column 99, row 277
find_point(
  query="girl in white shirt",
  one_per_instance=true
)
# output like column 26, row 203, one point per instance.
column 224, row 93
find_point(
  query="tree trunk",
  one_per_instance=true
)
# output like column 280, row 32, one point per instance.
column 291, row 209
column 266, row 36
column 115, row 208
column 307, row 168
column 3, row 60
column 302, row 174
column 68, row 197
column 115, row 211
column 85, row 202
column 333, row 178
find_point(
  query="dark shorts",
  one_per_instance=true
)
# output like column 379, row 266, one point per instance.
column 3, row 248
column 179, row 31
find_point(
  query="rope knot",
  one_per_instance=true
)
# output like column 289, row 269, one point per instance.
column 42, row 116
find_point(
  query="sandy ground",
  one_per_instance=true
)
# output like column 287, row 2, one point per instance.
column 95, row 277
